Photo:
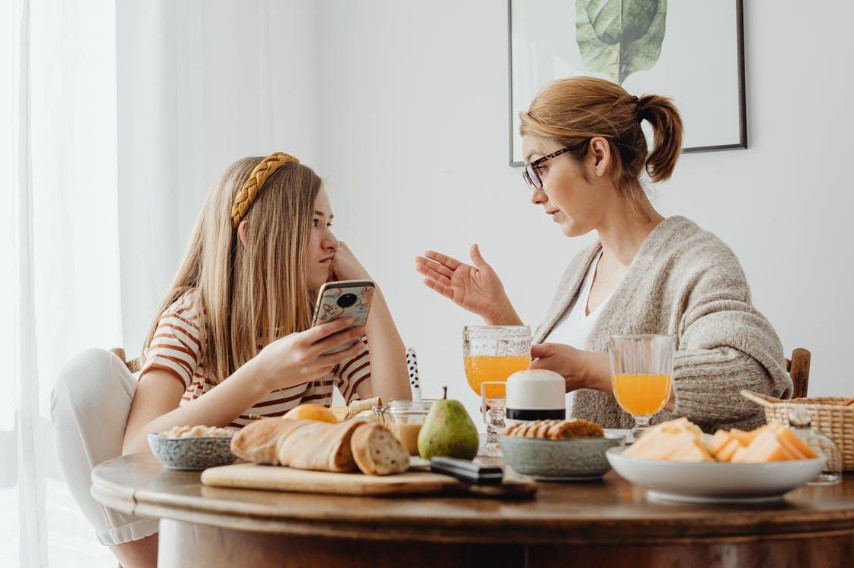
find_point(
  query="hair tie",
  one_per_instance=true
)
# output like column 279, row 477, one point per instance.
column 638, row 109
column 250, row 190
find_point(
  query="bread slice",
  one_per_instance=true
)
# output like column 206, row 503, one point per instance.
column 377, row 451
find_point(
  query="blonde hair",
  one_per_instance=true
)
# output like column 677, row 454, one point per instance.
column 573, row 111
column 249, row 293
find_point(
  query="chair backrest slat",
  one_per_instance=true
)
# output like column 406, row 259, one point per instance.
column 799, row 370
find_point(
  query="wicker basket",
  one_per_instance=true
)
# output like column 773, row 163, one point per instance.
column 830, row 414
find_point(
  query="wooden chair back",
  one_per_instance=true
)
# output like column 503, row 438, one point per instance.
column 799, row 369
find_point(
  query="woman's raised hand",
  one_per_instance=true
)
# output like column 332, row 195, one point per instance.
column 476, row 288
column 300, row 357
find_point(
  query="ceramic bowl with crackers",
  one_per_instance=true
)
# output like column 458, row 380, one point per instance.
column 192, row 448
column 559, row 450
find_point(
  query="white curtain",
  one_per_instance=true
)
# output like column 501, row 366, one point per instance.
column 59, row 281
column 115, row 118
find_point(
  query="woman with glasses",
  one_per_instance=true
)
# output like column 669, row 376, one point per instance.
column 585, row 152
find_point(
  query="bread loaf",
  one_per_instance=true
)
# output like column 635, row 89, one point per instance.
column 303, row 444
column 319, row 446
column 377, row 451
column 257, row 442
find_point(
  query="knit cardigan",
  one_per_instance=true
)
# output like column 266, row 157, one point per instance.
column 684, row 282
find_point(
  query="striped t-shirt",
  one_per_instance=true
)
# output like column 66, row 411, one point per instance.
column 176, row 346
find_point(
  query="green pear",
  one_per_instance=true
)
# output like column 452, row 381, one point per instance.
column 449, row 431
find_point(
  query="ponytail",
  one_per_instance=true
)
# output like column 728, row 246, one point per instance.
column 666, row 124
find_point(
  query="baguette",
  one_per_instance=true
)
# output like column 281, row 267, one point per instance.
column 258, row 441
column 377, row 451
column 318, row 446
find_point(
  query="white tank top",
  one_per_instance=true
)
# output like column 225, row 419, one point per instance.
column 574, row 325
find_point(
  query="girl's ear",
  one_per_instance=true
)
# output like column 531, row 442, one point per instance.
column 241, row 231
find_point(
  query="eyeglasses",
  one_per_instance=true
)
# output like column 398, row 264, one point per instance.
column 530, row 174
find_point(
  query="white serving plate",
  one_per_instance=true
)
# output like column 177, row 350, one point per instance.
column 714, row 482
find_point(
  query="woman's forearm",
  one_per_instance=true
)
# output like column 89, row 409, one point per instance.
column 506, row 316
column 596, row 372
column 389, row 378
column 219, row 407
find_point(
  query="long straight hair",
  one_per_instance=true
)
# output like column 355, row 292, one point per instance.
column 248, row 293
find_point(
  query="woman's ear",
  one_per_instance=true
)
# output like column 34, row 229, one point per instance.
column 600, row 155
column 241, row 231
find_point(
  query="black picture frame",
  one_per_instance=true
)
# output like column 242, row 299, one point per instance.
column 740, row 143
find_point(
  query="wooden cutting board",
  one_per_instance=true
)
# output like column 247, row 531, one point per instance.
column 277, row 478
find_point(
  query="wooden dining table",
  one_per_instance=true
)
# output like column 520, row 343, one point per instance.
column 602, row 523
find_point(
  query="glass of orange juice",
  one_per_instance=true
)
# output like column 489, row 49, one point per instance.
column 494, row 352
column 491, row 354
column 641, row 374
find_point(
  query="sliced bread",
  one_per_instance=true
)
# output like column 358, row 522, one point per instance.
column 377, row 451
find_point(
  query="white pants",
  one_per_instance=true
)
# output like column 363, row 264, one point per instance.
column 89, row 410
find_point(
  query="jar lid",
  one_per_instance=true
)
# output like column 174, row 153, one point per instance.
column 537, row 389
column 409, row 406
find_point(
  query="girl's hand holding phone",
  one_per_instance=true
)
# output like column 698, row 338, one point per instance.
column 300, row 357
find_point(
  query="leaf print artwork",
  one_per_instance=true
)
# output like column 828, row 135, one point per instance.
column 620, row 37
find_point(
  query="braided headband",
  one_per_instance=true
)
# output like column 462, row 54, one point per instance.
column 253, row 185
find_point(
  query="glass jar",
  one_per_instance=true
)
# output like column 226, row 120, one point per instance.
column 405, row 418
column 800, row 420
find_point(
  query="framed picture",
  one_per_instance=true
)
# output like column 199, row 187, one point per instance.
column 692, row 52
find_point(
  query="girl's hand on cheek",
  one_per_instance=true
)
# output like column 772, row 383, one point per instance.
column 345, row 265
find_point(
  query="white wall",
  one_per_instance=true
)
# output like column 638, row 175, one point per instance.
column 402, row 106
column 201, row 83
column 414, row 136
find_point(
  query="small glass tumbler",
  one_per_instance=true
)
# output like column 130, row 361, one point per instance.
column 493, row 403
column 800, row 420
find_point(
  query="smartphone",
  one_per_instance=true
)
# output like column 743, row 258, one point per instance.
column 346, row 298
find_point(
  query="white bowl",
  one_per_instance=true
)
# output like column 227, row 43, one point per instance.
column 714, row 482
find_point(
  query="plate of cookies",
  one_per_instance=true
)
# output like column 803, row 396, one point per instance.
column 559, row 450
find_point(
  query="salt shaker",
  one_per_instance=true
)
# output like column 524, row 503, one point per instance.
column 800, row 420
